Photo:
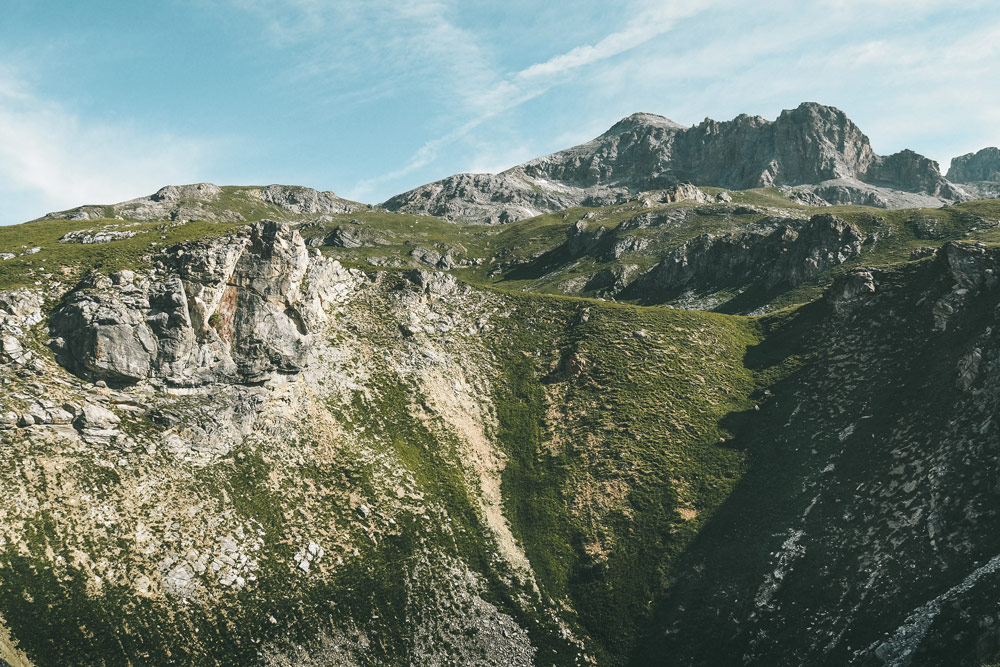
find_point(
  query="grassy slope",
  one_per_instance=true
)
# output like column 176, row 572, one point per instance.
column 515, row 255
column 611, row 472
column 613, row 469
column 65, row 262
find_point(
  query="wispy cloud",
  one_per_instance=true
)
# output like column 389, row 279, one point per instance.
column 50, row 158
column 649, row 20
column 364, row 50
column 910, row 79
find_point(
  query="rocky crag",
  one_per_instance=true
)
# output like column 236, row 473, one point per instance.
column 978, row 173
column 813, row 149
column 241, row 452
column 238, row 451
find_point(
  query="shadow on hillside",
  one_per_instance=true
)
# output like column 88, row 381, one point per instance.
column 542, row 265
column 736, row 543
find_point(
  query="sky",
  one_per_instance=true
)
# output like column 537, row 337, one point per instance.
column 107, row 100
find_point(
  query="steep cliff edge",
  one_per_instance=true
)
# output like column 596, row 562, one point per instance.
column 982, row 165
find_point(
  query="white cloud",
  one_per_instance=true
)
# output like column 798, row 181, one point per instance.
column 51, row 159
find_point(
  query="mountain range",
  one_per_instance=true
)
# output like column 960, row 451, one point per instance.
column 815, row 151
column 719, row 395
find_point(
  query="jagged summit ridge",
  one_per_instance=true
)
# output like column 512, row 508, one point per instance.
column 813, row 147
column 978, row 173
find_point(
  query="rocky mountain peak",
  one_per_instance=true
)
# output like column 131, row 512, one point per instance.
column 815, row 112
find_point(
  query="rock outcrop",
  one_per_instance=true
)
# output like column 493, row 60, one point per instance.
column 810, row 145
column 242, row 453
column 770, row 254
column 20, row 310
column 867, row 522
column 243, row 307
column 978, row 173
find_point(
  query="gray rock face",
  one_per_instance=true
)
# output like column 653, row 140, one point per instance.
column 92, row 236
column 242, row 307
column 983, row 165
column 96, row 417
column 773, row 253
column 432, row 282
column 684, row 192
column 611, row 280
column 808, row 145
column 970, row 269
column 581, row 240
column 487, row 198
column 907, row 170
column 433, row 258
column 850, row 291
column 353, row 236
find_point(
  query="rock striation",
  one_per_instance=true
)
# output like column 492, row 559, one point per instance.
column 868, row 520
column 811, row 145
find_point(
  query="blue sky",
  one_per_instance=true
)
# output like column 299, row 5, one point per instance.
column 106, row 100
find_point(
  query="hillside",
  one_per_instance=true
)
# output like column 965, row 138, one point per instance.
column 233, row 453
column 681, row 246
column 250, row 425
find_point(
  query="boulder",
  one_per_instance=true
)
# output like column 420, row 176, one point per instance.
column 850, row 290
column 96, row 417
